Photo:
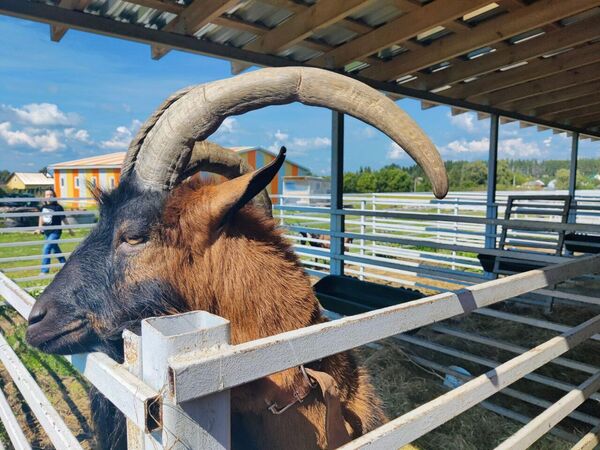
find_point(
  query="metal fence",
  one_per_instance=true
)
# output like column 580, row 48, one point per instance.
column 174, row 388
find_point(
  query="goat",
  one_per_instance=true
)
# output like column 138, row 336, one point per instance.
column 164, row 246
column 322, row 237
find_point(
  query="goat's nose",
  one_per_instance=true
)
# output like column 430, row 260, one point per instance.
column 37, row 313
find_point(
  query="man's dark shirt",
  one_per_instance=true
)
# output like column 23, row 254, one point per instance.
column 49, row 220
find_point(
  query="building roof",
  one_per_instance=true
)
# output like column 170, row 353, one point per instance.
column 242, row 150
column 535, row 61
column 34, row 179
column 110, row 160
column 115, row 160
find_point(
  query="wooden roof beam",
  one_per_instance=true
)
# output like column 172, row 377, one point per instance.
column 540, row 68
column 58, row 31
column 161, row 5
column 576, row 114
column 529, row 104
column 303, row 24
column 192, row 18
column 494, row 30
column 568, row 105
column 460, row 70
column 397, row 31
column 552, row 83
column 588, row 121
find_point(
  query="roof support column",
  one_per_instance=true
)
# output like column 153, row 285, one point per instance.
column 573, row 177
column 336, row 264
column 491, row 207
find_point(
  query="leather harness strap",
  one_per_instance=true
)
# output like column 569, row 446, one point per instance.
column 335, row 425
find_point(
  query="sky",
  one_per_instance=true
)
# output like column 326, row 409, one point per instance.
column 88, row 94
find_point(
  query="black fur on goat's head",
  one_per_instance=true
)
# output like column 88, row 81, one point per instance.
column 98, row 292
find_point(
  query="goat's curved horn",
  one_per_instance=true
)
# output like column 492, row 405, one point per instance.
column 210, row 157
column 167, row 146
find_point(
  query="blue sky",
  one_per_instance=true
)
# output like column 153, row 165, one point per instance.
column 88, row 94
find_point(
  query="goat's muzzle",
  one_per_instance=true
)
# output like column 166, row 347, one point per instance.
column 54, row 330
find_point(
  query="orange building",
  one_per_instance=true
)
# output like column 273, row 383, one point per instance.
column 72, row 178
column 258, row 157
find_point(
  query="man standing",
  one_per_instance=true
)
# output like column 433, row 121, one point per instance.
column 50, row 216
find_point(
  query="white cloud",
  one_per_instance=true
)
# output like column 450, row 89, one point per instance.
column 517, row 148
column 281, row 136
column 81, row 135
column 548, row 142
column 466, row 121
column 44, row 140
column 396, row 152
column 464, row 146
column 41, row 114
column 122, row 136
column 512, row 148
column 368, row 132
column 298, row 145
column 229, row 125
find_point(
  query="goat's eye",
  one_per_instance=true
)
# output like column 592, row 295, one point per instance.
column 135, row 240
column 132, row 244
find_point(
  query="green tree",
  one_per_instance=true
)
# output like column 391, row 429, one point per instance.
column 367, row 182
column 562, row 179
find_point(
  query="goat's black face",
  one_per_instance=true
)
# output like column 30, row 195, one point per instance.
column 99, row 293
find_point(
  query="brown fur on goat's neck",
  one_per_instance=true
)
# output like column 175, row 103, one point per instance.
column 245, row 271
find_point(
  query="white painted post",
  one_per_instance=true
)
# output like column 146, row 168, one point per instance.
column 363, row 205
column 203, row 423
column 455, row 228
column 132, row 349
column 373, row 222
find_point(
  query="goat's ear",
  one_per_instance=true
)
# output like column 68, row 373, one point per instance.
column 233, row 195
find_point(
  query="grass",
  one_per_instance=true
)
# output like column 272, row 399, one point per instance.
column 65, row 388
column 32, row 250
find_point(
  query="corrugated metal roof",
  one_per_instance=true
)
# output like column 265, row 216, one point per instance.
column 116, row 159
column 108, row 160
column 389, row 61
column 34, row 179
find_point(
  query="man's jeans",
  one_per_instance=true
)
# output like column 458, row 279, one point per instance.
column 49, row 248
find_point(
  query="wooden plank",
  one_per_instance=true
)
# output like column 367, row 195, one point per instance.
column 192, row 18
column 568, row 105
column 556, row 82
column 590, row 441
column 587, row 121
column 302, row 25
column 574, row 113
column 566, row 37
column 249, row 361
column 397, row 31
column 419, row 421
column 11, row 425
column 161, row 5
column 535, row 429
column 542, row 99
column 57, row 32
column 533, row 70
column 492, row 31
